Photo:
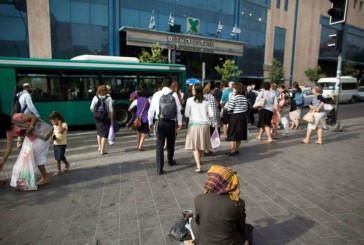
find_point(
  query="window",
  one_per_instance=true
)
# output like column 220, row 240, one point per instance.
column 279, row 44
column 285, row 5
column 278, row 4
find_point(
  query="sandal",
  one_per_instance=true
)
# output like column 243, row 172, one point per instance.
column 66, row 168
column 198, row 170
column 267, row 141
column 58, row 173
column 42, row 182
column 258, row 138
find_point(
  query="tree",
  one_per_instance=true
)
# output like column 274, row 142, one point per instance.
column 276, row 74
column 314, row 74
column 228, row 70
column 156, row 55
column 350, row 69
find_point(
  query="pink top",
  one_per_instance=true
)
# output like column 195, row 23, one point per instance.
column 12, row 132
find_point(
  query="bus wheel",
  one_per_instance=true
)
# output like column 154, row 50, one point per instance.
column 122, row 115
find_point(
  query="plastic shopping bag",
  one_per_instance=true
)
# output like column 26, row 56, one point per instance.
column 215, row 139
column 111, row 138
column 24, row 171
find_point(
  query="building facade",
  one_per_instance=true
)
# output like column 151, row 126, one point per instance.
column 294, row 32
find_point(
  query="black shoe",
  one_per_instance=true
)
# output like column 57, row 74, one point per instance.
column 160, row 171
column 210, row 153
column 172, row 163
column 232, row 153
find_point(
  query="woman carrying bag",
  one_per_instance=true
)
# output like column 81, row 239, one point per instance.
column 142, row 104
column 40, row 147
column 319, row 121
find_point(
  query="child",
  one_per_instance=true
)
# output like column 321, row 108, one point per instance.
column 59, row 141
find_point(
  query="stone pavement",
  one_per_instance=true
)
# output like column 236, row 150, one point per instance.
column 294, row 193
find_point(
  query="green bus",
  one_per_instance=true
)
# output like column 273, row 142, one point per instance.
column 68, row 86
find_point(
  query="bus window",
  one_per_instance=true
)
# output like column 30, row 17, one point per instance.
column 79, row 87
column 121, row 86
column 44, row 86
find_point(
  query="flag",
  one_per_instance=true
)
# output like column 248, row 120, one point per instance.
column 152, row 22
column 219, row 27
column 171, row 20
column 235, row 30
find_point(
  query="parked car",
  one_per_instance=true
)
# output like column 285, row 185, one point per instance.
column 360, row 94
column 308, row 96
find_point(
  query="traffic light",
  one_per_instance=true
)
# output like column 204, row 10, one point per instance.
column 336, row 40
column 337, row 11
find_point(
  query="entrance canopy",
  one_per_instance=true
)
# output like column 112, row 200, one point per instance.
column 182, row 42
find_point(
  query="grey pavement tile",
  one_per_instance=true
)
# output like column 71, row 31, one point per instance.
column 108, row 224
column 344, row 231
column 319, row 214
column 56, row 228
column 336, row 241
column 280, row 200
column 356, row 242
column 322, row 231
column 133, row 241
column 286, row 242
column 89, row 241
column 56, row 239
column 353, row 221
column 81, row 231
column 300, row 201
column 146, row 207
column 256, row 214
column 128, row 229
column 148, row 221
column 107, row 239
column 310, row 237
column 272, row 208
column 127, row 201
column 168, row 208
column 129, row 213
column 152, row 236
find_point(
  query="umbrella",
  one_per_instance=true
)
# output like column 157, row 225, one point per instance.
column 192, row 81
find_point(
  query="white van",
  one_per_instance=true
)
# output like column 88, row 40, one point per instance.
column 348, row 88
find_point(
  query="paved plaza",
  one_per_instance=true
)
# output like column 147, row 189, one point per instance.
column 294, row 193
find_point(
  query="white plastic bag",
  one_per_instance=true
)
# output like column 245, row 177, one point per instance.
column 24, row 170
column 111, row 138
column 215, row 139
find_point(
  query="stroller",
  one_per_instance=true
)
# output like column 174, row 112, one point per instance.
column 330, row 112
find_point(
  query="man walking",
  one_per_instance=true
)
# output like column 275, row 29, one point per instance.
column 167, row 112
column 25, row 100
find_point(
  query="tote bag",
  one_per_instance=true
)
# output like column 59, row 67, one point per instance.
column 259, row 104
column 309, row 117
column 41, row 130
column 215, row 139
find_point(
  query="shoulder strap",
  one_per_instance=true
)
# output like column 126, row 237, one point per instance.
column 141, row 113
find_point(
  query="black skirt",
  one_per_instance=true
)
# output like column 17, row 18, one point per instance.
column 237, row 129
column 102, row 128
column 265, row 118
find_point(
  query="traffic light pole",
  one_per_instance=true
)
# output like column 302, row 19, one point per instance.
column 338, row 127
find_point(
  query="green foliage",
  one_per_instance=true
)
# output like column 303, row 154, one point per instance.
column 350, row 69
column 314, row 74
column 156, row 55
column 228, row 70
column 277, row 73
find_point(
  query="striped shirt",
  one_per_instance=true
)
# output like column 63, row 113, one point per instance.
column 238, row 104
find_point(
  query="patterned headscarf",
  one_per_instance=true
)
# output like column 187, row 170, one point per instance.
column 222, row 180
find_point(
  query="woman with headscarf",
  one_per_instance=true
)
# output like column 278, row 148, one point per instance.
column 40, row 147
column 220, row 213
column 317, row 106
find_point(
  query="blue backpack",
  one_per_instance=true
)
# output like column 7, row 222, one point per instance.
column 299, row 99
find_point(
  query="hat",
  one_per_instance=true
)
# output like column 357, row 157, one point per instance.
column 26, row 84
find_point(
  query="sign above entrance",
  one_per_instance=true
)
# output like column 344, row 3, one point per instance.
column 193, row 25
column 183, row 42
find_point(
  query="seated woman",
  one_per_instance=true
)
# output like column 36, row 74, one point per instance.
column 220, row 213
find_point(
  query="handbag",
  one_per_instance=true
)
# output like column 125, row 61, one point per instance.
column 138, row 121
column 259, row 104
column 41, row 130
column 179, row 231
column 309, row 117
column 24, row 172
column 215, row 139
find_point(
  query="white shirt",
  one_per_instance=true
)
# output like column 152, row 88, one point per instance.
column 198, row 112
column 153, row 111
column 26, row 99
column 108, row 102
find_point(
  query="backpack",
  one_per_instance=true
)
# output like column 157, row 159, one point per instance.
column 299, row 99
column 167, row 107
column 16, row 107
column 100, row 112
